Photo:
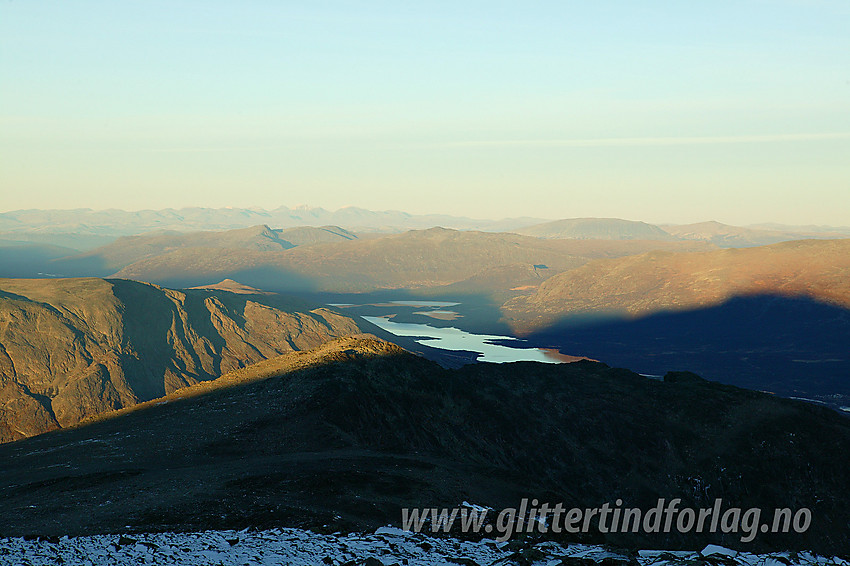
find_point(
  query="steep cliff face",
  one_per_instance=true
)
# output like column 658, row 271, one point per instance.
column 72, row 348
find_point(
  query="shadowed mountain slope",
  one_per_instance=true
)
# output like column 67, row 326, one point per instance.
column 72, row 348
column 76, row 242
column 774, row 318
column 791, row 346
column 28, row 259
column 659, row 280
column 347, row 435
column 309, row 235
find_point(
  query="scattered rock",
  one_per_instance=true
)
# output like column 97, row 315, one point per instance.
column 527, row 556
column 126, row 541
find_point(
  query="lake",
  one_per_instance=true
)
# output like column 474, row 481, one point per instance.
column 450, row 338
column 490, row 347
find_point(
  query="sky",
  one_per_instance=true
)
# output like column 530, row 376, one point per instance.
column 662, row 111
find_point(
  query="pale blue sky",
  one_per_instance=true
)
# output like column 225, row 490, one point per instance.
column 661, row 111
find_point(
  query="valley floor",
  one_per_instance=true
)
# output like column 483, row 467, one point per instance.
column 385, row 546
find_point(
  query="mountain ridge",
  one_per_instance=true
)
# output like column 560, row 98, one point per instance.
column 727, row 236
column 596, row 228
column 117, row 222
column 126, row 250
column 70, row 348
column 414, row 259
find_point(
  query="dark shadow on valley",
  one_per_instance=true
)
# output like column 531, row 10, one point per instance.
column 791, row 346
column 36, row 261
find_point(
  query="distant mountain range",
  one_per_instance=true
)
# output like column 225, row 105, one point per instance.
column 413, row 259
column 725, row 236
column 596, row 229
column 331, row 259
column 127, row 250
column 73, row 348
column 115, row 222
column 85, row 229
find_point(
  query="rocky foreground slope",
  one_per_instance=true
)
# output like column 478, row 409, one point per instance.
column 344, row 436
column 73, row 348
column 385, row 546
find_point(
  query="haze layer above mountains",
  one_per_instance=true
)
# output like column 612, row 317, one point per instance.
column 85, row 229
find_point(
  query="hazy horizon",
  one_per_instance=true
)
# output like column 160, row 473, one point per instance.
column 444, row 213
column 734, row 111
